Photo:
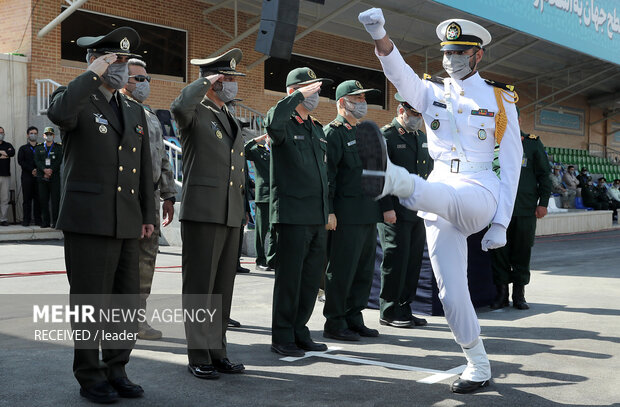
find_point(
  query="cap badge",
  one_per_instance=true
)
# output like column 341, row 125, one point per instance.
column 233, row 63
column 311, row 74
column 125, row 45
column 453, row 32
column 358, row 84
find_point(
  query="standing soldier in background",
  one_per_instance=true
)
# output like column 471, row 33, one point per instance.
column 47, row 158
column 353, row 219
column 298, row 206
column 212, row 205
column 402, row 232
column 138, row 88
column 30, row 187
column 258, row 151
column 107, row 202
column 511, row 263
column 6, row 152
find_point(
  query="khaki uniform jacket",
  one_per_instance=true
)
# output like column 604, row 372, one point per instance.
column 213, row 159
column 408, row 150
column 346, row 198
column 108, row 187
column 298, row 192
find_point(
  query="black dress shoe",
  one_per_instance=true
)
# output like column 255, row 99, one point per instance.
column 287, row 349
column 467, row 386
column 102, row 393
column 342, row 335
column 242, row 270
column 365, row 331
column 4, row 223
column 518, row 297
column 203, row 371
column 45, row 225
column 418, row 321
column 233, row 324
column 373, row 155
column 126, row 388
column 501, row 297
column 396, row 323
column 25, row 224
column 226, row 366
column 311, row 346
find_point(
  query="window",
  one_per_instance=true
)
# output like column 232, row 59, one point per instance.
column 277, row 69
column 163, row 49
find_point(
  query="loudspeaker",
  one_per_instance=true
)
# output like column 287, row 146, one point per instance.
column 278, row 26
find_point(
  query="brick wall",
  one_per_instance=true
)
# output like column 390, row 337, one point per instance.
column 204, row 39
column 15, row 26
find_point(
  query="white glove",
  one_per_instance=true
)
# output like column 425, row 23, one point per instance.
column 494, row 238
column 373, row 21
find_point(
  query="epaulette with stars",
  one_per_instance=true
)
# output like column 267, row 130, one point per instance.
column 335, row 124
column 387, row 127
column 532, row 136
column 431, row 78
column 500, row 85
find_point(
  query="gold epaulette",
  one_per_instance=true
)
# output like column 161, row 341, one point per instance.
column 532, row 136
column 315, row 120
column 335, row 124
column 431, row 78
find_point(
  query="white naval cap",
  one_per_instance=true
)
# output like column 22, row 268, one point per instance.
column 459, row 35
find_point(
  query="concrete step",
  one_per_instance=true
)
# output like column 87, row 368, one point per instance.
column 20, row 233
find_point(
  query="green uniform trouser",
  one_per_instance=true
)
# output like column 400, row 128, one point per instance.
column 511, row 263
column 209, row 267
column 148, row 254
column 99, row 265
column 349, row 275
column 261, row 222
column 403, row 248
column 49, row 189
column 299, row 264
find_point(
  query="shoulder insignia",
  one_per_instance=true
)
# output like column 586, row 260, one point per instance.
column 532, row 136
column 500, row 85
column 401, row 131
column 316, row 121
column 335, row 124
column 387, row 127
column 348, row 126
column 431, row 78
column 299, row 119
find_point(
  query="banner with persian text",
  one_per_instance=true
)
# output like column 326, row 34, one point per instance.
column 588, row 26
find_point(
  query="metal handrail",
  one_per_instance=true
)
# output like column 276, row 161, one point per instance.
column 248, row 115
column 175, row 154
column 45, row 88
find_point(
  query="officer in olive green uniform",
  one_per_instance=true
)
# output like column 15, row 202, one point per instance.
column 298, row 210
column 258, row 151
column 106, row 203
column 47, row 158
column 511, row 263
column 353, row 217
column 212, row 204
column 403, row 238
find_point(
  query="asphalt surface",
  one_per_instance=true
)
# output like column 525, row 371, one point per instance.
column 565, row 350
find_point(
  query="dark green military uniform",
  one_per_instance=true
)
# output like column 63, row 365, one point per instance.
column 212, row 204
column 107, row 196
column 48, row 157
column 511, row 263
column 298, row 210
column 402, row 242
column 352, row 252
column 260, row 155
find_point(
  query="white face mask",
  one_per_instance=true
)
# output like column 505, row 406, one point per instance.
column 412, row 123
column 457, row 66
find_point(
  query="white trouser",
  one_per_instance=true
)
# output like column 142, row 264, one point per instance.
column 462, row 208
column 4, row 198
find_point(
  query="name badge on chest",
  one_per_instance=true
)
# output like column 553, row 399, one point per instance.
column 99, row 119
column 401, row 146
column 352, row 142
column 298, row 137
column 48, row 162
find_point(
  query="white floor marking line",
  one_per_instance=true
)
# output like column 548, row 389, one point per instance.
column 437, row 375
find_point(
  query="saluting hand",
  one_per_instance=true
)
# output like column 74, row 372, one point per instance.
column 101, row 64
column 310, row 89
column 214, row 78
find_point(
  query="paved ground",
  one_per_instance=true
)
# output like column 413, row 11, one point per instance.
column 563, row 351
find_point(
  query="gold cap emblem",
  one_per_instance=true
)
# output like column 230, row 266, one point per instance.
column 358, row 84
column 453, row 31
column 311, row 74
column 125, row 45
column 233, row 63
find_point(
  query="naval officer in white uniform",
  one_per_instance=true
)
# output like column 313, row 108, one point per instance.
column 462, row 195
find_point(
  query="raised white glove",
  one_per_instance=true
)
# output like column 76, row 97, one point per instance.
column 373, row 21
column 494, row 238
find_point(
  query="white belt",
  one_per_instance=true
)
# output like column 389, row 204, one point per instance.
column 458, row 166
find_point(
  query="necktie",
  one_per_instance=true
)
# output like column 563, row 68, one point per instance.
column 115, row 108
